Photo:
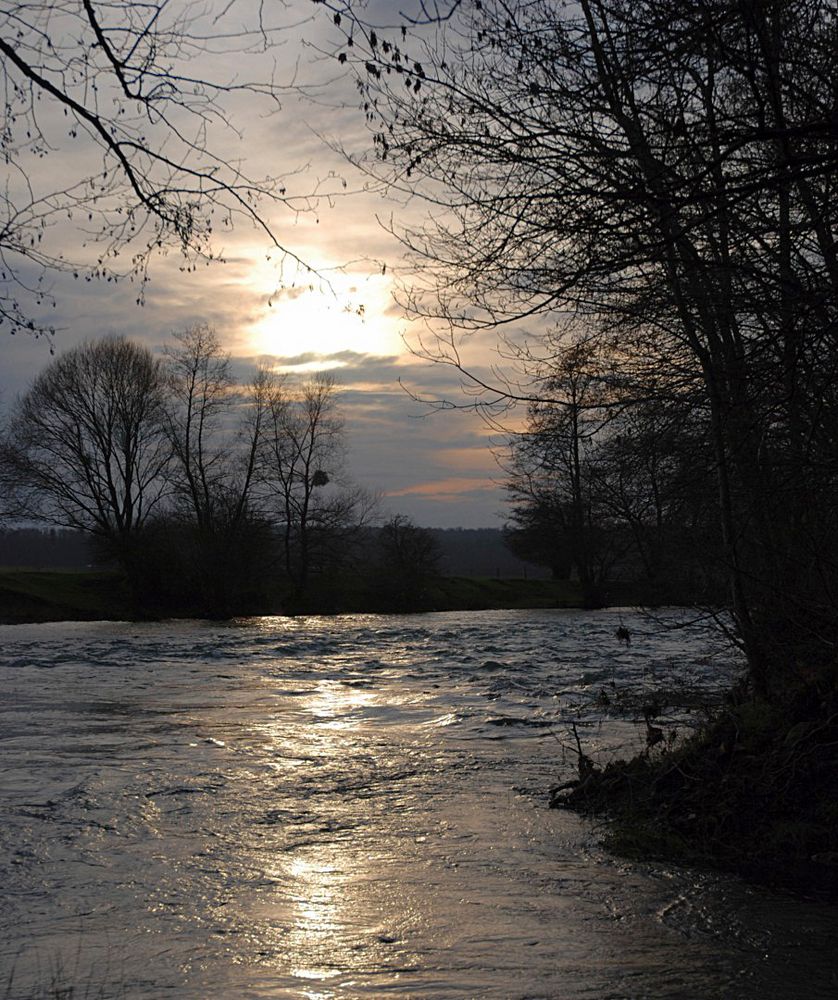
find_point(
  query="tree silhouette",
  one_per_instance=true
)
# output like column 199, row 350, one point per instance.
column 668, row 170
column 408, row 558
column 215, row 430
column 302, row 486
column 86, row 446
column 114, row 126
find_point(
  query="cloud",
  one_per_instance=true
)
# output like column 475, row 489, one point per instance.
column 478, row 508
column 290, row 294
column 442, row 488
column 437, row 467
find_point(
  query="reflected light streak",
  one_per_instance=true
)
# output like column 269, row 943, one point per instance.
column 332, row 920
column 333, row 702
column 325, row 883
column 318, row 918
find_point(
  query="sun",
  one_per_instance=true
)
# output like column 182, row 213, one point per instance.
column 354, row 313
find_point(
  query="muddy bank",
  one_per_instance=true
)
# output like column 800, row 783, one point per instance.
column 754, row 791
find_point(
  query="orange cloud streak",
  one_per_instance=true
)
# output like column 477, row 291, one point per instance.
column 442, row 487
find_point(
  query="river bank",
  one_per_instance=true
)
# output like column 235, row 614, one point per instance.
column 753, row 791
column 30, row 596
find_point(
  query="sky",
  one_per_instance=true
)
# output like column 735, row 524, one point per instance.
column 438, row 468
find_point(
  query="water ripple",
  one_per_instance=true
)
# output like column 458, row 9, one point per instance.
column 349, row 807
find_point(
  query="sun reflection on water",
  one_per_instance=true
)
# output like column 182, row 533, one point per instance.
column 333, row 920
column 333, row 703
column 316, row 889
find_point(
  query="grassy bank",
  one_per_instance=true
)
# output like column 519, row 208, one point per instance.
column 58, row 595
column 754, row 792
column 461, row 593
column 458, row 593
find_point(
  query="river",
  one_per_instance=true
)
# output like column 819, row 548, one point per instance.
column 331, row 808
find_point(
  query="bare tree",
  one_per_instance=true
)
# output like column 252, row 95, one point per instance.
column 662, row 167
column 86, row 446
column 653, row 476
column 551, row 482
column 200, row 390
column 301, row 473
column 408, row 558
column 612, row 468
column 120, row 97
column 215, row 429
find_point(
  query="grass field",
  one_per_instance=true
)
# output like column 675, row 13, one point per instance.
column 28, row 595
column 56, row 595
column 461, row 593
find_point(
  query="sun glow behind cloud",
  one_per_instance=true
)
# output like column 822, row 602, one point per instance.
column 351, row 313
column 422, row 465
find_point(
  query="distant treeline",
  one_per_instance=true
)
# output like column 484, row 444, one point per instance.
column 209, row 495
column 481, row 552
column 39, row 548
column 468, row 552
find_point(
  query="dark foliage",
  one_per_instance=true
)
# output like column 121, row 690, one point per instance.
column 666, row 174
column 212, row 498
column 405, row 561
column 756, row 790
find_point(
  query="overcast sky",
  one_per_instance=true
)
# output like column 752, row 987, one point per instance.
column 436, row 468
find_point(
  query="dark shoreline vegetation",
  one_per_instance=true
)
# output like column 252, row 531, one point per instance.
column 754, row 792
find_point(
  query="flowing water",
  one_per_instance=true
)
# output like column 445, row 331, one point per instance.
column 329, row 808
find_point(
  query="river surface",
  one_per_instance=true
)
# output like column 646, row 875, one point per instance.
column 330, row 808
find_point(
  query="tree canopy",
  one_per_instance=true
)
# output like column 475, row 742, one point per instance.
column 206, row 492
column 86, row 447
column 666, row 171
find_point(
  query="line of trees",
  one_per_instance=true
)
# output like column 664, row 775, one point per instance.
column 603, row 485
column 667, row 173
column 203, row 491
